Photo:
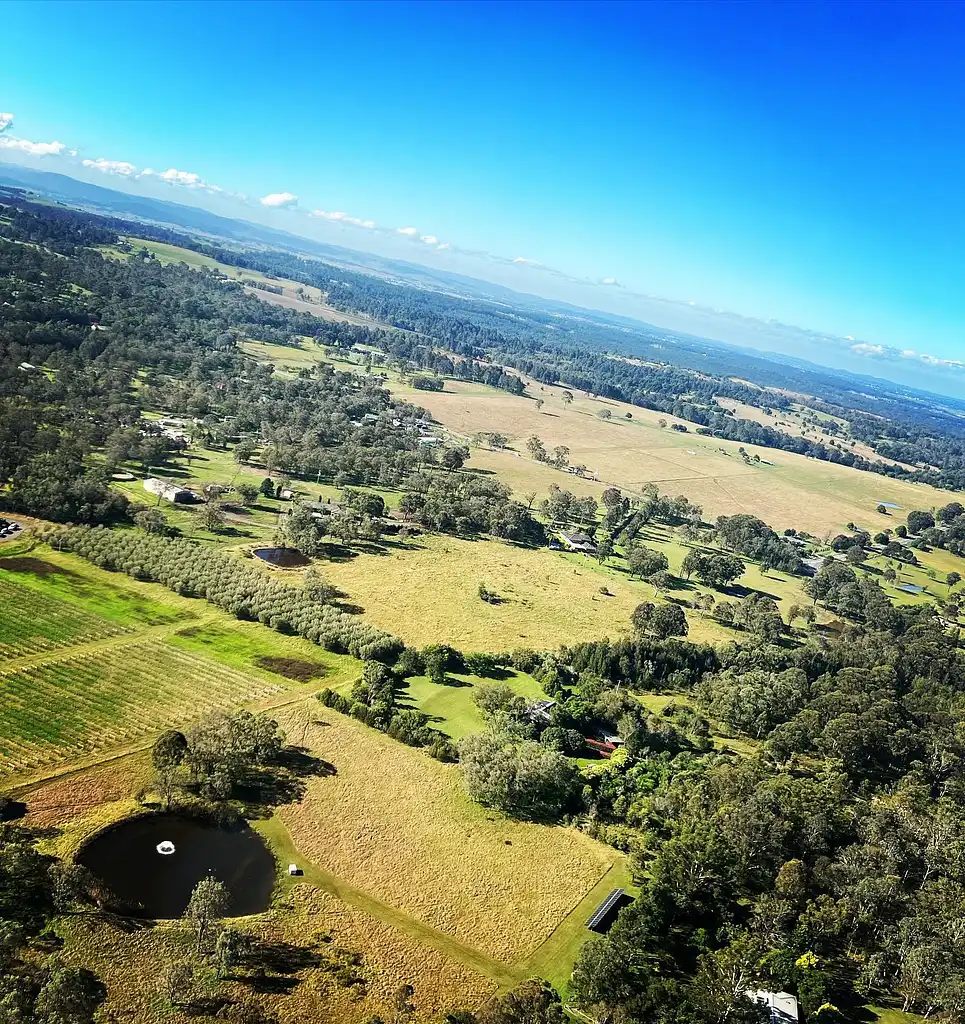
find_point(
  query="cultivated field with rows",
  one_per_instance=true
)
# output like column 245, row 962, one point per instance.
column 93, row 700
column 32, row 622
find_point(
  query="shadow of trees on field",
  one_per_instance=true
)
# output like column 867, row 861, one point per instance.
column 273, row 967
column 282, row 782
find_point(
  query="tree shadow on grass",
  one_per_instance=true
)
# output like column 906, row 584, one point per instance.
column 738, row 590
column 283, row 782
column 349, row 608
column 274, row 966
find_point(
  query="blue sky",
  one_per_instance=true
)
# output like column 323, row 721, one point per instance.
column 797, row 162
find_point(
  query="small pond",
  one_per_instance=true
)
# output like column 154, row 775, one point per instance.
column 911, row 588
column 284, row 558
column 152, row 884
column 888, row 504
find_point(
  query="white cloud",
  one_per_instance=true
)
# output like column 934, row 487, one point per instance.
column 121, row 167
column 950, row 364
column 279, row 199
column 909, row 353
column 173, row 176
column 343, row 218
column 864, row 349
column 32, row 148
column 5, row 121
column 443, row 245
column 429, row 239
column 612, row 281
column 530, row 263
column 411, row 232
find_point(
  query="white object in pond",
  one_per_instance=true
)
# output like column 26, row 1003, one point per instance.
column 166, row 848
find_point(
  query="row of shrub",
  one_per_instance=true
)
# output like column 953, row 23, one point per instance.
column 239, row 589
column 373, row 701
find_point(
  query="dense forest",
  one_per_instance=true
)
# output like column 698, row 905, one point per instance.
column 88, row 344
column 477, row 340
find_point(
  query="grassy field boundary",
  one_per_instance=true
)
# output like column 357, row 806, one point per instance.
column 562, row 945
column 275, row 831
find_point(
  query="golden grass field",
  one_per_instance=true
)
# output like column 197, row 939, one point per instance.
column 791, row 421
column 407, row 835
column 132, row 963
column 792, row 491
column 428, row 593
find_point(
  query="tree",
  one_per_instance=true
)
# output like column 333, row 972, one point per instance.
column 692, row 562
column 604, row 549
column 213, row 517
column 68, row 995
column 521, row 777
column 178, row 983
column 402, row 1005
column 454, row 458
column 918, row 521
column 855, row 555
column 952, row 578
column 151, row 520
column 567, row 397
column 267, row 487
column 668, row 620
column 248, row 493
column 303, row 531
column 318, row 588
column 532, row 1002
column 436, row 658
column 642, row 617
column 169, row 752
column 539, row 404
column 244, row 451
column 605, row 414
column 561, row 456
column 661, row 580
column 537, row 449
column 208, row 904
column 882, row 510
column 612, row 497
column 231, row 950
column 643, row 561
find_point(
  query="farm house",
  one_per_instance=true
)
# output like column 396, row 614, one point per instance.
column 782, row 1005
column 578, row 542
column 171, row 492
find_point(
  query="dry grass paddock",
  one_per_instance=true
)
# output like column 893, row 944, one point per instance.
column 132, row 964
column 428, row 593
column 396, row 824
column 784, row 489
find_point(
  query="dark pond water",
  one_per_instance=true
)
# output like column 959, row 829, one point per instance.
column 152, row 885
column 286, row 558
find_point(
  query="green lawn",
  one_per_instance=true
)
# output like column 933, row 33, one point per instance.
column 452, row 707
column 555, row 958
column 56, row 586
column 894, row 1016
